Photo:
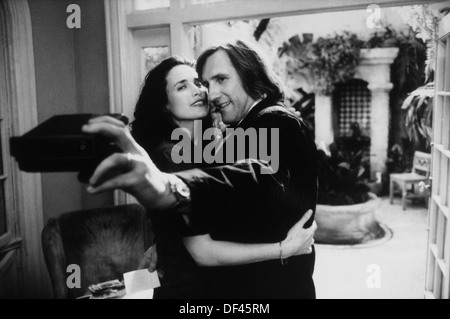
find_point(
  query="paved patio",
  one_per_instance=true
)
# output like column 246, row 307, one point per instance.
column 350, row 272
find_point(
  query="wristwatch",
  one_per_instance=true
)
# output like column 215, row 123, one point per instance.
column 180, row 190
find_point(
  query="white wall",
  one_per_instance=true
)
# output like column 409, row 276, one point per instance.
column 323, row 24
column 71, row 77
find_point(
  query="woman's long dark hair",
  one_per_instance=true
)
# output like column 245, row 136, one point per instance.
column 153, row 124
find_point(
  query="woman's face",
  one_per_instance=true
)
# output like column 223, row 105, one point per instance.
column 187, row 98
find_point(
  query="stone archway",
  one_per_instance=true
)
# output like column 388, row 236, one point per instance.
column 375, row 69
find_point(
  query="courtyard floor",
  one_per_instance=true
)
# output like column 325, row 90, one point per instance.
column 390, row 268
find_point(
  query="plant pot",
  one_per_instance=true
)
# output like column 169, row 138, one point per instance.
column 348, row 225
column 376, row 188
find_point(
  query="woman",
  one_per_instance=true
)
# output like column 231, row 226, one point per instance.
column 173, row 97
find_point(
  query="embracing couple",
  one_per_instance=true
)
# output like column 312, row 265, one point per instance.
column 221, row 231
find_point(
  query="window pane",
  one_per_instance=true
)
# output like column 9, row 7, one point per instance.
column 1, row 149
column 206, row 2
column 3, row 221
column 154, row 56
column 151, row 4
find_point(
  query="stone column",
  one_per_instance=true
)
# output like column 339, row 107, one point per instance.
column 324, row 120
column 379, row 136
column 375, row 69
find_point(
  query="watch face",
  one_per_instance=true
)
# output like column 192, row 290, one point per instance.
column 183, row 191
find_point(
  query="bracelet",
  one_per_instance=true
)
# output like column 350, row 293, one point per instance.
column 282, row 260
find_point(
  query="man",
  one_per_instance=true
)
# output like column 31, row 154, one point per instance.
column 247, row 96
column 240, row 202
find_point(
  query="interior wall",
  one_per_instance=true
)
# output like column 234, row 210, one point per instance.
column 8, row 285
column 91, row 67
column 71, row 77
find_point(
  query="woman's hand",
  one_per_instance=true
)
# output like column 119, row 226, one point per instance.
column 299, row 241
column 149, row 260
column 217, row 118
column 132, row 171
column 294, row 110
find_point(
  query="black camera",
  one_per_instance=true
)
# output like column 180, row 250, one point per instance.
column 59, row 145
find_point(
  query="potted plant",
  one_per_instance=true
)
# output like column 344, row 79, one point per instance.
column 345, row 213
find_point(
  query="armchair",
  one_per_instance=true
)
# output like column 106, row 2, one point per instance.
column 105, row 243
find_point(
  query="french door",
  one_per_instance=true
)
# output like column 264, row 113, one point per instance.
column 438, row 255
column 156, row 27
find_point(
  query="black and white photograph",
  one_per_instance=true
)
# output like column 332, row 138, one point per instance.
column 227, row 155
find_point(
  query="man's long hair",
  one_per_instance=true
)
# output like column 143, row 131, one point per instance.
column 257, row 79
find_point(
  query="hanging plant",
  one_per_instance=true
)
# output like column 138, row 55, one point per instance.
column 418, row 107
column 408, row 67
column 326, row 61
column 424, row 21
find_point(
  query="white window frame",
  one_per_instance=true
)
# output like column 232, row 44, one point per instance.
column 27, row 188
column 437, row 284
column 5, row 238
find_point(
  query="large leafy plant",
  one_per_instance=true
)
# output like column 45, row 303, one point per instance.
column 408, row 68
column 327, row 61
column 342, row 171
column 340, row 180
column 424, row 21
column 418, row 108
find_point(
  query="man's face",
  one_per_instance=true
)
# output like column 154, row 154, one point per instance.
column 225, row 88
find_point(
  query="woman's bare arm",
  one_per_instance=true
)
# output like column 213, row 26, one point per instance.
column 208, row 252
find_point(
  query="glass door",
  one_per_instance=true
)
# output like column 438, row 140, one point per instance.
column 438, row 260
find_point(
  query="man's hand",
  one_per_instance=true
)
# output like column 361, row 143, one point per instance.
column 299, row 241
column 132, row 171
